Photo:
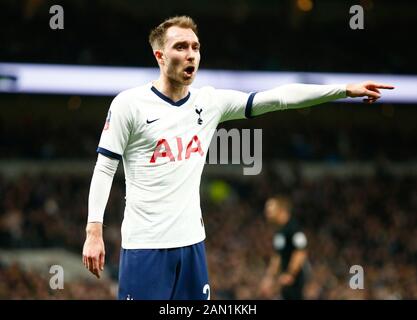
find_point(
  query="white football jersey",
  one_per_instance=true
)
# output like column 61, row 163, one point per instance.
column 163, row 145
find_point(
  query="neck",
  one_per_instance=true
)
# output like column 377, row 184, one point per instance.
column 173, row 90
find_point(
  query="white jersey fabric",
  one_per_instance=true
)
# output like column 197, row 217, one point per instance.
column 163, row 145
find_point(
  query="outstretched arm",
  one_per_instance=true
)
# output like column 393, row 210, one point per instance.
column 293, row 96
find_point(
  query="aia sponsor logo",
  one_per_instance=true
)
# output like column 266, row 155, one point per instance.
column 164, row 150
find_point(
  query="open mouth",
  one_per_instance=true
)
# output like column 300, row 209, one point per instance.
column 189, row 70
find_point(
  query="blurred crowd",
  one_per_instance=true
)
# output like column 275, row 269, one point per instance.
column 370, row 222
column 18, row 283
column 287, row 38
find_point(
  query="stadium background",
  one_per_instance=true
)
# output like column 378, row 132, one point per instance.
column 351, row 169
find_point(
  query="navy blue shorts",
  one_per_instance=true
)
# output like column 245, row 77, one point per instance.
column 164, row 274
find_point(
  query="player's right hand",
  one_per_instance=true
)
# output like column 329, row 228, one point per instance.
column 93, row 251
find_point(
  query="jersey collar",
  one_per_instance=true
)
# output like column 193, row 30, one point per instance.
column 169, row 100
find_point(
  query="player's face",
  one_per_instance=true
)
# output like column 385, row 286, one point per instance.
column 180, row 56
column 275, row 213
column 281, row 216
column 271, row 209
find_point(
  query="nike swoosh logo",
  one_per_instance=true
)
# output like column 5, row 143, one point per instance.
column 148, row 122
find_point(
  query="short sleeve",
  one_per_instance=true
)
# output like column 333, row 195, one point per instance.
column 117, row 128
column 299, row 240
column 279, row 242
column 234, row 104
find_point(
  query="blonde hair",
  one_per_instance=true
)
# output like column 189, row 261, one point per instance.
column 157, row 35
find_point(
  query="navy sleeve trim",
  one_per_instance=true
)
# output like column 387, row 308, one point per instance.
column 109, row 154
column 248, row 109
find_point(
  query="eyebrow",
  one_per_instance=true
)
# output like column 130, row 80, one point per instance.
column 186, row 43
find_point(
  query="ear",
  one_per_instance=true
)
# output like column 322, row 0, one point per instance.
column 159, row 55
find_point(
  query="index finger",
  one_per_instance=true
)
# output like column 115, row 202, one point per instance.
column 384, row 86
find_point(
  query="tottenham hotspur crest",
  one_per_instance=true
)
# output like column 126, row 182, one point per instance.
column 198, row 111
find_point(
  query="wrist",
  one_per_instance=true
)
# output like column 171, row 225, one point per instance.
column 94, row 229
column 348, row 90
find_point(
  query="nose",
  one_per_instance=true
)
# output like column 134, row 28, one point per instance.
column 190, row 55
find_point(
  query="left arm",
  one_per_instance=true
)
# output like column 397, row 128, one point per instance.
column 238, row 105
column 294, row 96
column 297, row 261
